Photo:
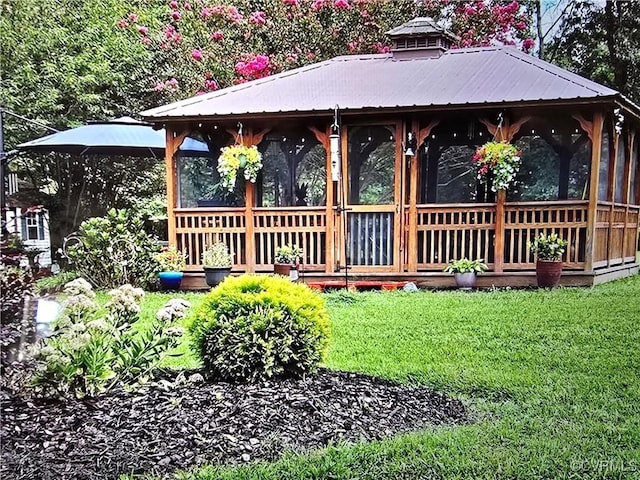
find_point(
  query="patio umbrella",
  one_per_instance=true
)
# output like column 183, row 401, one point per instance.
column 122, row 136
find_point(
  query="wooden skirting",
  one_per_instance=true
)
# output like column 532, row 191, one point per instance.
column 519, row 279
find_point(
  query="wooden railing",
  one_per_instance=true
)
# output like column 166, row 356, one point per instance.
column 449, row 232
column 198, row 227
column 616, row 234
column 444, row 232
column 526, row 220
column 303, row 226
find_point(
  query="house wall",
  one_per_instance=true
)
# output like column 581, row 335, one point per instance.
column 15, row 225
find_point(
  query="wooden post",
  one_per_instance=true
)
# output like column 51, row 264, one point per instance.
column 412, row 241
column 249, row 195
column 498, row 245
column 592, row 212
column 627, row 186
column 613, row 167
column 172, row 144
column 330, row 255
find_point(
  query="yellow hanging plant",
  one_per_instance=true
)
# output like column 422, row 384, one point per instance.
column 237, row 157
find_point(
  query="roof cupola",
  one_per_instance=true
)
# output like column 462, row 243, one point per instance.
column 421, row 37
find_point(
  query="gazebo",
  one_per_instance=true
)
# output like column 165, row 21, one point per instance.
column 402, row 199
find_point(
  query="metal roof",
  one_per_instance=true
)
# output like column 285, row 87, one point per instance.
column 470, row 76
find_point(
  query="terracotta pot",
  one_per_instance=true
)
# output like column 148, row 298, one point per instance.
column 215, row 275
column 465, row 281
column 548, row 273
column 287, row 270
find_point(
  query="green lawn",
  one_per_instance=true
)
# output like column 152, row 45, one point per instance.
column 553, row 378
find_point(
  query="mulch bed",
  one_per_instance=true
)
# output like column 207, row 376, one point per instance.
column 169, row 427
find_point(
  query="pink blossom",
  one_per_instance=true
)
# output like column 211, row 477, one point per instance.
column 293, row 3
column 344, row 4
column 528, row 44
column 187, row 7
column 218, row 36
column 292, row 58
column 146, row 40
column 253, row 67
column 352, row 46
column 206, row 12
column 381, row 48
column 196, row 54
column 211, row 85
column 133, row 18
column 310, row 56
column 521, row 26
column 317, row 4
column 176, row 15
column 258, row 18
column 159, row 86
column 142, row 30
column 173, row 4
column 122, row 23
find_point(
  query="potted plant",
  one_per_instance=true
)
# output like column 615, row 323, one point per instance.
column 171, row 262
column 216, row 262
column 465, row 271
column 548, row 249
column 238, row 157
column 287, row 258
column 498, row 160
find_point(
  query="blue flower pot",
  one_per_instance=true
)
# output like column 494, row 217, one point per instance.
column 170, row 280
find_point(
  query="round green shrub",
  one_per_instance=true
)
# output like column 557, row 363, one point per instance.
column 254, row 327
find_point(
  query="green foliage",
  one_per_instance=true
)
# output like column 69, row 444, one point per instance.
column 91, row 351
column 54, row 283
column 464, row 265
column 548, row 246
column 254, row 327
column 171, row 260
column 288, row 254
column 599, row 40
column 114, row 250
column 217, row 255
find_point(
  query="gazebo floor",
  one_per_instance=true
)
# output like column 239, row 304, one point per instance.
column 436, row 280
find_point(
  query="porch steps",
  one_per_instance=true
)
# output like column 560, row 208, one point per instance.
column 357, row 285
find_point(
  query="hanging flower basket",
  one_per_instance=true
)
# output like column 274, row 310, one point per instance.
column 499, row 159
column 238, row 157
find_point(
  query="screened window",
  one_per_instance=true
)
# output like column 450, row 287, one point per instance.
column 293, row 172
column 371, row 165
column 556, row 157
column 621, row 166
column 32, row 226
column 633, row 198
column 603, row 179
column 448, row 174
column 199, row 181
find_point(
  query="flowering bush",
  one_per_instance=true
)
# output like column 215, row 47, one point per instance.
column 288, row 254
column 217, row 255
column 237, row 157
column 113, row 250
column 548, row 247
column 171, row 260
column 500, row 159
column 92, row 351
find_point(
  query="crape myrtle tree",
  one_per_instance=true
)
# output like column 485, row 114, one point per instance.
column 64, row 63
column 201, row 46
